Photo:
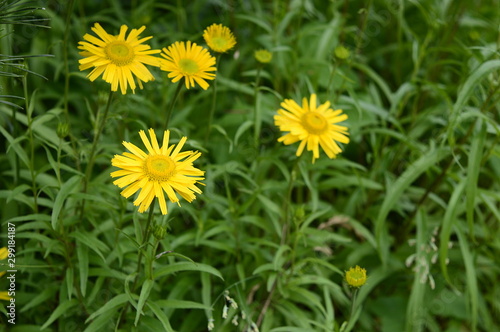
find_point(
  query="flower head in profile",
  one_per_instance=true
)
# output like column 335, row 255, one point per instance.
column 263, row 56
column 159, row 171
column 312, row 125
column 356, row 276
column 189, row 61
column 118, row 58
column 219, row 38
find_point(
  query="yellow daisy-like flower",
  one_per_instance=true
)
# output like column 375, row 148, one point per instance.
column 189, row 61
column 162, row 170
column 118, row 59
column 263, row 56
column 356, row 277
column 313, row 125
column 219, row 38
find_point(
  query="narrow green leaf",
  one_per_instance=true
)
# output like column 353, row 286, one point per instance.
column 449, row 219
column 416, row 310
column 182, row 304
column 70, row 281
column 206, row 293
column 59, row 311
column 470, row 275
column 111, row 304
column 145, row 290
column 156, row 309
column 14, row 144
column 257, row 21
column 241, row 129
column 91, row 241
column 66, row 189
column 376, row 78
column 184, row 266
column 466, row 91
column 473, row 168
column 44, row 295
column 328, row 38
column 99, row 324
column 82, row 253
column 395, row 191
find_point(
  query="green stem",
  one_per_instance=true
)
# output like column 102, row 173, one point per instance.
column 256, row 114
column 101, row 123
column 172, row 104
column 58, row 169
column 145, row 241
column 32, row 143
column 354, row 295
column 287, row 202
column 214, row 99
column 90, row 164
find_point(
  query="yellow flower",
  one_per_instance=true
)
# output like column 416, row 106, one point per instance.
column 189, row 61
column 5, row 296
column 118, row 59
column 263, row 56
column 219, row 38
column 4, row 253
column 313, row 125
column 162, row 169
column 356, row 277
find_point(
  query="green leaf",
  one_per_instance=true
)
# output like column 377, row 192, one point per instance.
column 110, row 305
column 66, row 189
column 449, row 219
column 162, row 317
column 100, row 322
column 416, row 310
column 145, row 290
column 59, row 311
column 70, row 281
column 241, row 129
column 256, row 20
column 473, row 168
column 184, row 266
column 91, row 241
column 44, row 295
column 82, row 253
column 394, row 192
column 182, row 304
column 471, row 277
column 466, row 92
column 14, row 144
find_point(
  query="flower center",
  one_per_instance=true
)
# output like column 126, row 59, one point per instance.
column 314, row 123
column 119, row 52
column 219, row 42
column 188, row 66
column 159, row 168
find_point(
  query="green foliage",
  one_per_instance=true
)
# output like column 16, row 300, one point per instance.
column 414, row 197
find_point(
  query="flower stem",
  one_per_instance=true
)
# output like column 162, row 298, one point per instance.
column 144, row 245
column 145, row 240
column 256, row 114
column 172, row 104
column 214, row 98
column 90, row 164
column 101, row 123
column 354, row 295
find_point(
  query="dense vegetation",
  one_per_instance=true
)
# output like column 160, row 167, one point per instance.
column 413, row 198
